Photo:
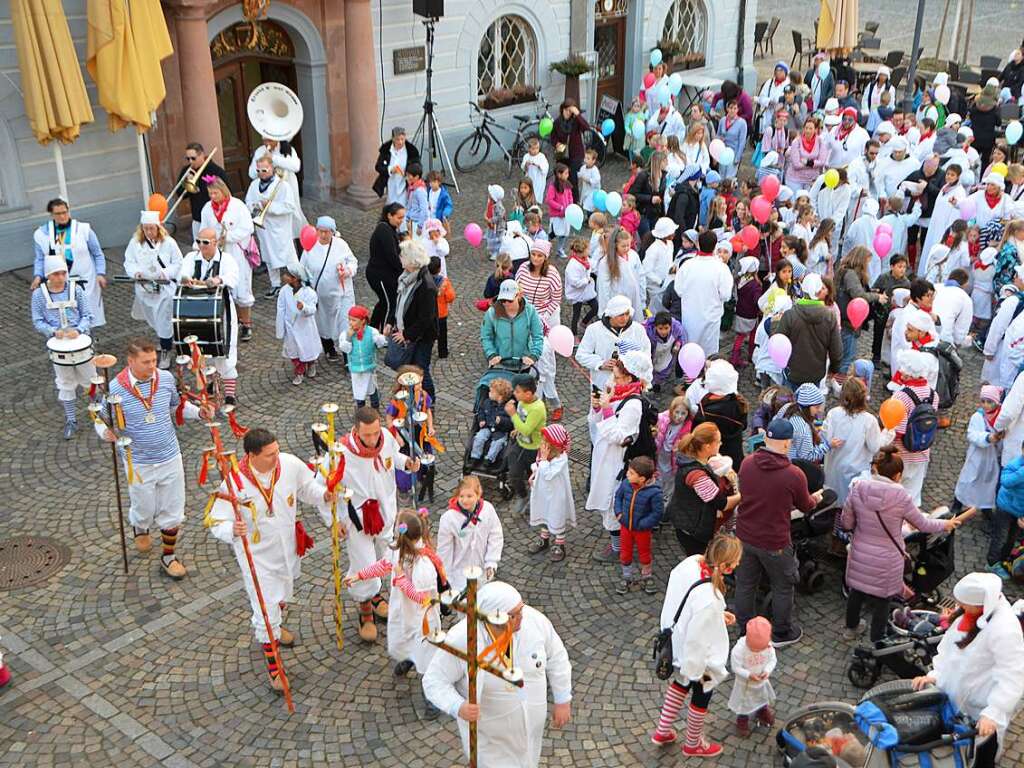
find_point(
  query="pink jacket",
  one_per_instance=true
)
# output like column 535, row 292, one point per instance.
column 797, row 170
column 874, row 565
column 662, row 430
column 557, row 201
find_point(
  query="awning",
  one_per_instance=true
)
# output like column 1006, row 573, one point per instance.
column 56, row 101
column 127, row 40
column 837, row 26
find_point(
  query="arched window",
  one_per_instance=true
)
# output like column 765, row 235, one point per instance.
column 687, row 24
column 507, row 58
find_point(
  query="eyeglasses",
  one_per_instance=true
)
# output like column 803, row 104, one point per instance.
column 190, row 158
column 203, row 242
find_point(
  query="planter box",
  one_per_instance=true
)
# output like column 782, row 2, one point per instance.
column 493, row 102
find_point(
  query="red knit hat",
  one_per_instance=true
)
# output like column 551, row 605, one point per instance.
column 359, row 311
column 557, row 436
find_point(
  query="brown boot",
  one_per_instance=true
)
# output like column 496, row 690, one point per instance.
column 380, row 606
column 367, row 629
column 276, row 684
column 143, row 543
column 285, row 638
column 173, row 567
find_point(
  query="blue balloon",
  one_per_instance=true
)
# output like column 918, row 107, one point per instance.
column 639, row 130
column 663, row 93
column 607, row 127
column 613, row 203
column 574, row 216
column 726, row 157
column 655, row 57
column 675, row 83
column 823, row 70
column 600, row 200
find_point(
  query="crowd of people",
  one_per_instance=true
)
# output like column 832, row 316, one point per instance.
column 699, row 269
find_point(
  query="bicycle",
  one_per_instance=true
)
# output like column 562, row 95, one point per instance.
column 476, row 147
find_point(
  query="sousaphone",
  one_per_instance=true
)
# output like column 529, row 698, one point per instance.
column 275, row 112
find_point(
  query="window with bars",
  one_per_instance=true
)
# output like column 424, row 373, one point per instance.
column 687, row 23
column 507, row 57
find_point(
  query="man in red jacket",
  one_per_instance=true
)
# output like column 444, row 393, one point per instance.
column 772, row 487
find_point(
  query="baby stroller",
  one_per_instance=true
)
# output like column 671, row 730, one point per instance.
column 815, row 524
column 906, row 650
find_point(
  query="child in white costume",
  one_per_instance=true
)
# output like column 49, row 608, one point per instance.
column 551, row 503
column 469, row 534
column 753, row 661
column 296, row 321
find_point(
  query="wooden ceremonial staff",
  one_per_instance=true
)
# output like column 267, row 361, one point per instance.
column 105, row 363
column 330, row 410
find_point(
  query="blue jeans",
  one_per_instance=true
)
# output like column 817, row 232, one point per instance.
column 849, row 349
column 498, row 441
column 421, row 353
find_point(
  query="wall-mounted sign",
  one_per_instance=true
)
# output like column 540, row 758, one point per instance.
column 409, row 60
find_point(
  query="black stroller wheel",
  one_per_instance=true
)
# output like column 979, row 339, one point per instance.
column 814, row 582
column 506, row 491
column 861, row 674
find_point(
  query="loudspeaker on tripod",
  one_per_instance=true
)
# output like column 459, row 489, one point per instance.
column 428, row 9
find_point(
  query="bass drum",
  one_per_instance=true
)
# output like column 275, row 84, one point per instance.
column 203, row 313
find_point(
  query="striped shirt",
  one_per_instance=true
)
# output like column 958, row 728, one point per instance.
column 157, row 442
column 545, row 293
column 924, row 394
column 702, row 485
column 46, row 318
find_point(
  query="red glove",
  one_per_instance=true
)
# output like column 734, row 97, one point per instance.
column 373, row 521
column 303, row 540
column 483, row 304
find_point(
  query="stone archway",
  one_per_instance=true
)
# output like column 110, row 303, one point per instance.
column 311, row 86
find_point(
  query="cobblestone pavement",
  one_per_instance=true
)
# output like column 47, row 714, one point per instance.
column 138, row 670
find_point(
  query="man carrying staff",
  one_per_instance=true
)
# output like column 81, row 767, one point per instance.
column 195, row 156
column 331, row 267
column 207, row 268
column 371, row 457
column 271, row 484
column 510, row 720
column 156, row 490
column 273, row 194
column 76, row 243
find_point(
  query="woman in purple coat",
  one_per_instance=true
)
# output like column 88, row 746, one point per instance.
column 875, row 512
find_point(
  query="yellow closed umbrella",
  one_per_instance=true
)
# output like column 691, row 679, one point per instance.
column 127, row 40
column 837, row 26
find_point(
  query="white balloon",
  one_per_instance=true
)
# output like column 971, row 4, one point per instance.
column 942, row 94
column 715, row 148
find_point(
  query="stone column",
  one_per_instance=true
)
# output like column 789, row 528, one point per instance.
column 199, row 96
column 363, row 113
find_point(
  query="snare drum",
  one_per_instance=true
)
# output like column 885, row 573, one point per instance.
column 201, row 312
column 70, row 352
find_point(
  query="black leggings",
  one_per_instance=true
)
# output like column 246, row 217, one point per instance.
column 879, row 607
column 384, row 309
column 577, row 310
column 699, row 698
column 985, row 754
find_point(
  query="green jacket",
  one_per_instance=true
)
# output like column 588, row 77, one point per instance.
column 517, row 337
column 528, row 420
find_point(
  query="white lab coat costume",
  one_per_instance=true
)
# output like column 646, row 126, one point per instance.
column 955, row 310
column 510, row 730
column 334, row 297
column 366, row 482
column 82, row 265
column 551, row 499
column 942, row 260
column 154, row 303
column 831, row 203
column 762, row 360
column 862, row 232
column 236, row 227
column 863, row 176
column 608, row 436
column 863, row 439
column 671, row 125
column 277, row 564
column 894, row 172
column 700, row 641
column 291, row 164
column 983, row 214
column 747, row 696
column 846, row 150
column 630, row 284
column 578, row 285
column 697, row 154
column 589, row 182
column 1004, row 344
column 1011, row 422
column 536, row 169
column 462, row 546
column 944, row 213
column 598, row 344
column 405, row 617
column 981, row 290
column 298, row 326
column 986, row 678
column 705, row 284
column 979, row 476
column 227, row 365
column 275, row 236
column 657, row 263
column 901, row 224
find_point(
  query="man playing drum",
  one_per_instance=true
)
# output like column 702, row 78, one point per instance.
column 209, row 267
column 60, row 312
column 157, row 487
column 76, row 243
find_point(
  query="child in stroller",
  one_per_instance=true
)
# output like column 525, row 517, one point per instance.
column 492, row 425
column 805, row 528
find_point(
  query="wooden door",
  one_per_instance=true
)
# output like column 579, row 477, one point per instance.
column 610, row 44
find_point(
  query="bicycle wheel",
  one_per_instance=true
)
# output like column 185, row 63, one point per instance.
column 520, row 149
column 593, row 140
column 472, row 151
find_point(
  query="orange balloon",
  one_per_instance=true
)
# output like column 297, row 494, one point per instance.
column 892, row 413
column 157, row 202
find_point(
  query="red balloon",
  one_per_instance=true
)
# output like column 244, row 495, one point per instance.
column 760, row 209
column 857, row 312
column 738, row 246
column 751, row 237
column 649, row 79
column 307, row 237
column 770, row 188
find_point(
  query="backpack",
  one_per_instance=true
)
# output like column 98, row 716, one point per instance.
column 643, row 444
column 948, row 385
column 922, row 424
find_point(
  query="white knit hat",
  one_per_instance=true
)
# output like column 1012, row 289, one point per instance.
column 496, row 192
column 720, row 378
column 921, row 320
column 900, row 297
column 54, row 263
column 748, row 265
column 885, row 127
column 617, row 305
column 994, row 178
column 664, row 227
column 639, row 364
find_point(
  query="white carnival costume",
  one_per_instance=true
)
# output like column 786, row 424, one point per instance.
column 289, row 165
column 275, row 236
column 234, row 230
column 331, row 271
column 467, row 540
column 81, row 251
column 154, row 302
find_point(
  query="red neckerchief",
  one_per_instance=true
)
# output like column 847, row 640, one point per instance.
column 125, row 381
column 472, row 516
column 414, row 185
column 352, row 442
column 360, row 332
column 926, row 338
column 705, row 571
column 780, row 82
column 580, row 259
column 993, row 200
column 902, row 131
column 729, row 123
column 219, row 209
column 629, row 184
column 489, row 212
column 906, row 381
column 968, row 622
column 990, row 418
column 622, row 391
column 926, row 135
column 949, row 240
column 808, row 148
column 841, row 134
column 268, row 495
column 976, row 262
column 973, row 249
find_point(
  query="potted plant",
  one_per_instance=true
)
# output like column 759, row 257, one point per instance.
column 669, row 50
column 571, row 67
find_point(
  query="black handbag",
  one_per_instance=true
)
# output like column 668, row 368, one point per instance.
column 663, row 642
column 398, row 353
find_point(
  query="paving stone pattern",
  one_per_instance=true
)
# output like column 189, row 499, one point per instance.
column 138, row 670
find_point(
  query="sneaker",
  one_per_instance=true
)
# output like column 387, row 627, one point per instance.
column 606, row 555
column 999, row 570
column 538, row 545
column 166, row 357
column 297, row 379
column 650, row 588
column 978, row 345
column 623, row 587
column 311, row 370
column 793, row 637
column 661, row 739
column 332, row 355
column 557, row 553
column 70, row 427
column 431, row 712
column 854, row 633
column 403, row 668
column 245, row 333
column 704, row 749
column 272, row 293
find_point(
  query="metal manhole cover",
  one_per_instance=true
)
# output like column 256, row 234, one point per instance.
column 29, row 560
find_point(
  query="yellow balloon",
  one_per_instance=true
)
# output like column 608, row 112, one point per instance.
column 831, row 178
column 1001, row 169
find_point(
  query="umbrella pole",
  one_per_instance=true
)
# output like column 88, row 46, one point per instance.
column 62, row 182
column 908, row 92
column 147, row 189
column 942, row 28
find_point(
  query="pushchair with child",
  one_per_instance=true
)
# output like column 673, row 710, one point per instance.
column 805, row 528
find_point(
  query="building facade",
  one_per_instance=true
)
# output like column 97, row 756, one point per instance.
column 359, row 68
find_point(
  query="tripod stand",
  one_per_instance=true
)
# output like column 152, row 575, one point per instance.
column 433, row 148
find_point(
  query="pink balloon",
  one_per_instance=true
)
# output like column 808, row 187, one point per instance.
column 473, row 234
column 885, row 227
column 715, row 148
column 967, row 209
column 857, row 312
column 649, row 79
column 691, row 359
column 307, row 237
column 770, row 188
column 760, row 209
column 882, row 244
column 780, row 348
column 642, row 95
column 561, row 340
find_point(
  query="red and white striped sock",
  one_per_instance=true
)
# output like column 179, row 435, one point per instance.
column 695, row 726
column 675, row 697
column 229, row 387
